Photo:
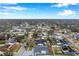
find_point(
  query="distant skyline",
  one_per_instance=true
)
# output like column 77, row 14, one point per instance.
column 39, row 10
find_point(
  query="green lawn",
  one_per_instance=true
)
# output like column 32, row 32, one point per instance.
column 2, row 41
column 57, row 51
column 31, row 46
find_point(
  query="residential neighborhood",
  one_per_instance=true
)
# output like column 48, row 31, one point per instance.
column 40, row 39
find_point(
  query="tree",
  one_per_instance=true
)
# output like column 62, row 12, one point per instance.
column 19, row 38
column 34, row 35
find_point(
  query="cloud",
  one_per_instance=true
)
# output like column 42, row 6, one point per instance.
column 66, row 13
column 13, row 8
column 63, row 4
column 8, row 3
column 11, row 3
column 4, row 13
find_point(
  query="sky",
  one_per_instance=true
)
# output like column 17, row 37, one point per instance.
column 39, row 10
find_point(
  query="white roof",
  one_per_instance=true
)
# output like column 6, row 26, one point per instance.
column 1, row 52
column 43, row 52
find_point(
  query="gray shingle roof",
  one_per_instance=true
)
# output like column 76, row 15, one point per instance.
column 41, row 50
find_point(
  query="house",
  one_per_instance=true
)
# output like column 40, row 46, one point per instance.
column 58, row 42
column 40, row 41
column 13, row 49
column 64, row 43
column 1, row 53
column 58, row 36
column 4, row 49
column 67, row 50
column 40, row 50
column 18, row 31
column 27, row 53
column 39, row 34
column 76, row 36
column 10, row 41
column 17, row 49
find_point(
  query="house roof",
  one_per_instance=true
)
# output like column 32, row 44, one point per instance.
column 15, row 47
column 41, row 49
column 40, row 41
column 11, row 41
column 4, row 48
